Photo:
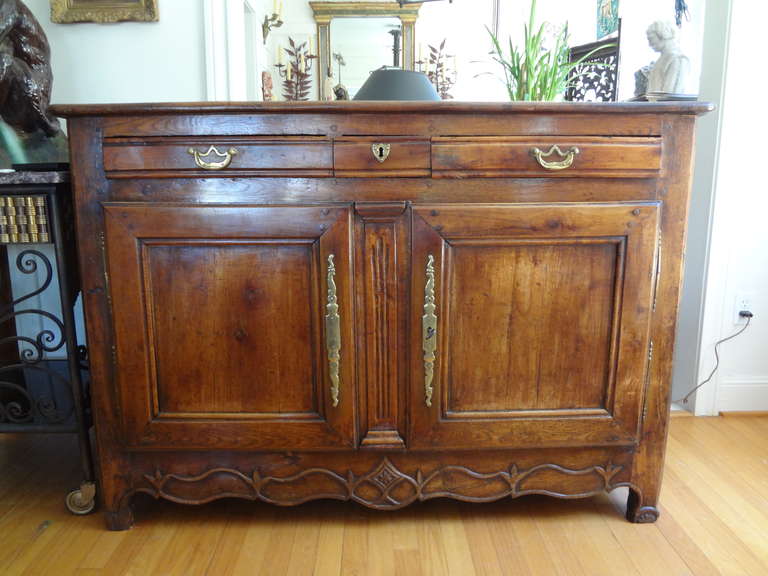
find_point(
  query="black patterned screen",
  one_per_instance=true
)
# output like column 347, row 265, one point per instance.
column 596, row 79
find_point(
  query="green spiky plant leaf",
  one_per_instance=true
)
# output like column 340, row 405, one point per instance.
column 531, row 72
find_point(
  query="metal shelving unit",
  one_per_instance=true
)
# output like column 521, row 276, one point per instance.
column 39, row 392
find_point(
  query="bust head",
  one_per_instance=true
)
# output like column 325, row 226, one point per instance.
column 661, row 36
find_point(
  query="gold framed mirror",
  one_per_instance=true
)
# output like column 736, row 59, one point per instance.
column 326, row 12
column 103, row 11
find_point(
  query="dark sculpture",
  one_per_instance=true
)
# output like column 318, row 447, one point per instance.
column 25, row 70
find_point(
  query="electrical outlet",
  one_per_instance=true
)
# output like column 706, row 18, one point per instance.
column 743, row 302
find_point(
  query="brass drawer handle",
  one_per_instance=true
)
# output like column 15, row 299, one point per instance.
column 429, row 330
column 333, row 332
column 380, row 151
column 567, row 161
column 218, row 165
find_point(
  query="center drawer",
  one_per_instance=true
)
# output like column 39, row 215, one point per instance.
column 384, row 156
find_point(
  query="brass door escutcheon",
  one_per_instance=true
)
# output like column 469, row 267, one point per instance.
column 217, row 165
column 429, row 330
column 380, row 151
column 333, row 332
column 568, row 157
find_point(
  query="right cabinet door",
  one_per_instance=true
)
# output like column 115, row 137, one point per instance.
column 530, row 323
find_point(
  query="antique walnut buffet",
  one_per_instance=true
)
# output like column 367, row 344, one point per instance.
column 381, row 302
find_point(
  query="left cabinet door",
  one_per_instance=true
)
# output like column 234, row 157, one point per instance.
column 232, row 325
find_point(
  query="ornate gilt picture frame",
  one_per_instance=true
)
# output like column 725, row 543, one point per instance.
column 103, row 11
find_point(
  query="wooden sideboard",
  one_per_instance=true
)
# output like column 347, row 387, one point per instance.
column 380, row 302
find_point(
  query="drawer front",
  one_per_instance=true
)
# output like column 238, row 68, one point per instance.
column 361, row 157
column 217, row 157
column 636, row 157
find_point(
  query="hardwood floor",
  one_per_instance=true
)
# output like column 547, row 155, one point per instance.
column 714, row 521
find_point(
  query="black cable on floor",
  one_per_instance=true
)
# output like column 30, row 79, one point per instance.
column 684, row 399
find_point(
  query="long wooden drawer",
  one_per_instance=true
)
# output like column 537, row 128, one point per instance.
column 622, row 157
column 386, row 156
column 257, row 156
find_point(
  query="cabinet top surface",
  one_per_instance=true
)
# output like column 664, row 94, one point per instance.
column 686, row 108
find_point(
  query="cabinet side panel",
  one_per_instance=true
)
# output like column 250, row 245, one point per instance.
column 674, row 191
column 90, row 190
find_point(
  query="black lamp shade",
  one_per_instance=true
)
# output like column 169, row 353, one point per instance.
column 397, row 84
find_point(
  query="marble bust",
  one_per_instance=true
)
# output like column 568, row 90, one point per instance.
column 670, row 72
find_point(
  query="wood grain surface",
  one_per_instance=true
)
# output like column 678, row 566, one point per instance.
column 498, row 157
column 169, row 155
column 406, row 157
column 509, row 280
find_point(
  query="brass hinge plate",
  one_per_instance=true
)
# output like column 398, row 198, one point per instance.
column 657, row 275
column 647, row 382
column 103, row 245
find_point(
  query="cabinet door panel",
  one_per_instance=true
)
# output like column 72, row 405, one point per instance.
column 542, row 323
column 518, row 297
column 219, row 321
column 224, row 322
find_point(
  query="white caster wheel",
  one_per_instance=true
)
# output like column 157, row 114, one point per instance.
column 83, row 500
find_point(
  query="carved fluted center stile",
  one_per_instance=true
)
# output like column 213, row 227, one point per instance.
column 380, row 268
column 382, row 232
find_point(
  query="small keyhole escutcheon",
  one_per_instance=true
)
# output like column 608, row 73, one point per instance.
column 380, row 151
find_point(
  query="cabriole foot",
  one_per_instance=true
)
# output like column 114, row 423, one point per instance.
column 639, row 512
column 120, row 518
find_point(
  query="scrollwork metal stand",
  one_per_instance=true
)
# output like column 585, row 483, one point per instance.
column 35, row 396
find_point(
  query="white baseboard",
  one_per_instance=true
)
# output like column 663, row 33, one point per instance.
column 743, row 395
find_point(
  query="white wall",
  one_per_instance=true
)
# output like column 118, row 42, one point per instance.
column 235, row 53
column 128, row 61
column 298, row 24
column 463, row 26
column 581, row 16
column 348, row 34
column 739, row 245
column 712, row 87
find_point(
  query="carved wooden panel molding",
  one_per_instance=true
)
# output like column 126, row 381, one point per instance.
column 383, row 238
column 385, row 486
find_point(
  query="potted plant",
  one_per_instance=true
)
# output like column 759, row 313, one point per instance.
column 533, row 72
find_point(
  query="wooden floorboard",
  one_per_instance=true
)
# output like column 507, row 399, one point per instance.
column 714, row 521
